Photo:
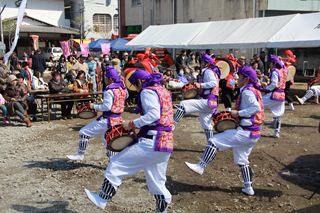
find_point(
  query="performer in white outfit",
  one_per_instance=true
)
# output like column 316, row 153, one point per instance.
column 114, row 97
column 152, row 151
column 275, row 97
column 249, row 109
column 314, row 89
column 208, row 82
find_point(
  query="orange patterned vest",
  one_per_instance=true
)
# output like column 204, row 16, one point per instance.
column 278, row 93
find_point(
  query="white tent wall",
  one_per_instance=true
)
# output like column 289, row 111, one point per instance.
column 277, row 31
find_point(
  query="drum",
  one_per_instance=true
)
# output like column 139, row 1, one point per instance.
column 189, row 91
column 225, row 66
column 224, row 121
column 84, row 111
column 291, row 72
column 127, row 74
column 118, row 138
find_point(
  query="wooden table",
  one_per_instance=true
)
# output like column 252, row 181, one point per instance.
column 64, row 97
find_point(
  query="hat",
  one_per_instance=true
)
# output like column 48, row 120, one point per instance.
column 139, row 75
column 12, row 78
column 207, row 58
column 111, row 72
column 247, row 71
column 140, row 56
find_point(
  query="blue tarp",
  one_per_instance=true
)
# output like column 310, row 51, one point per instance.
column 119, row 44
column 96, row 45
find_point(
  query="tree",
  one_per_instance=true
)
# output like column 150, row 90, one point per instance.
column 9, row 28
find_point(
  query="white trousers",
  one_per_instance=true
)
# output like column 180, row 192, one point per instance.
column 95, row 128
column 141, row 156
column 276, row 107
column 316, row 89
column 239, row 141
column 201, row 106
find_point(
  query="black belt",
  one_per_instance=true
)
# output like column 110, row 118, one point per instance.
column 149, row 136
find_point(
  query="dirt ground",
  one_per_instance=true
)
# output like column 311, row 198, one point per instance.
column 36, row 177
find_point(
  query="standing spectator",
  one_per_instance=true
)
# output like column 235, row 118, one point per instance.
column 92, row 65
column 192, row 61
column 71, row 62
column 125, row 59
column 256, row 59
column 115, row 62
column 38, row 63
column 181, row 61
column 263, row 59
column 62, row 66
column 167, row 59
column 57, row 85
column 81, row 65
column 13, row 61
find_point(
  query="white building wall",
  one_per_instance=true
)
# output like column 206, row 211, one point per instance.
column 49, row 11
column 92, row 7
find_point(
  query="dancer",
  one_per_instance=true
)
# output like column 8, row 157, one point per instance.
column 314, row 89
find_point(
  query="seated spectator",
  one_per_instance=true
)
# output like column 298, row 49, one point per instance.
column 16, row 103
column 4, row 110
column 80, row 85
column 181, row 77
column 189, row 76
column 4, row 74
column 38, row 83
column 170, row 82
column 57, row 85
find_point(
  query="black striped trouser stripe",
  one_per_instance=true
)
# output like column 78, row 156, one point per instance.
column 110, row 153
column 107, row 191
column 179, row 114
column 161, row 203
column 246, row 174
column 209, row 133
column 277, row 123
column 308, row 94
column 83, row 143
column 208, row 155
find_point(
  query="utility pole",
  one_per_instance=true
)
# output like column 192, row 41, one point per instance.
column 81, row 21
column 1, row 27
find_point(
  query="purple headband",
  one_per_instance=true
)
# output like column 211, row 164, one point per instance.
column 206, row 58
column 275, row 59
column 111, row 72
column 248, row 72
column 139, row 75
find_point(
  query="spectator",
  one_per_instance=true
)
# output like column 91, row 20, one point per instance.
column 92, row 65
column 15, row 101
column 170, row 82
column 38, row 83
column 115, row 62
column 181, row 61
column 4, row 110
column 81, row 65
column 242, row 61
column 255, row 66
column 192, row 61
column 256, row 59
column 71, row 62
column 181, row 77
column 57, row 85
column 62, row 66
column 80, row 85
column 38, row 63
column 4, row 74
column 167, row 59
column 125, row 59
column 13, row 61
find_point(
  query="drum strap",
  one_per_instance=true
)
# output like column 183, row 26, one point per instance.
column 247, row 174
column 161, row 203
column 208, row 155
column 107, row 191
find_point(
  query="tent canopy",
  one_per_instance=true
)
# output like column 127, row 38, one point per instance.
column 96, row 45
column 298, row 30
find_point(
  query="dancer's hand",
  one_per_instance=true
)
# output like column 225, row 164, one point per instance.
column 235, row 113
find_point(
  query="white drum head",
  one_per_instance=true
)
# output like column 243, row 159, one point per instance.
column 127, row 82
column 224, row 68
column 291, row 73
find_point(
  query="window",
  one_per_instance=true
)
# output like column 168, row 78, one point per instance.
column 102, row 23
column 108, row 2
column 136, row 3
column 116, row 23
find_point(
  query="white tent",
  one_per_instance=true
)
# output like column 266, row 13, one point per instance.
column 299, row 30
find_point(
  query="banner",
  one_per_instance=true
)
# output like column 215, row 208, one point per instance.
column 35, row 39
column 65, row 48
column 16, row 36
column 84, row 49
column 105, row 48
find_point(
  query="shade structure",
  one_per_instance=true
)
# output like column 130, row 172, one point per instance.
column 96, row 45
column 119, row 44
column 297, row 30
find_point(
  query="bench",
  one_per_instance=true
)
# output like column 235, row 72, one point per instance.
column 64, row 97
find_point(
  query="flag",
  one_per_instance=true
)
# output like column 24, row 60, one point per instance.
column 105, row 48
column 84, row 49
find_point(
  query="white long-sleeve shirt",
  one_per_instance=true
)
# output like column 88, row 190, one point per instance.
column 249, row 106
column 107, row 103
column 273, row 82
column 150, row 104
column 209, row 80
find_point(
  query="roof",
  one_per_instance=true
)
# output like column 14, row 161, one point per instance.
column 41, row 29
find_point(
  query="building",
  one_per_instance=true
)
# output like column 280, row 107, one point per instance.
column 43, row 18
column 137, row 15
column 97, row 18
